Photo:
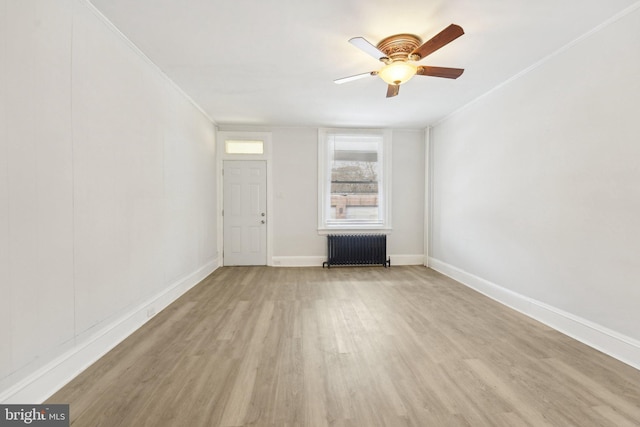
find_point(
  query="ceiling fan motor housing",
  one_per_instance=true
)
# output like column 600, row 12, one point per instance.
column 399, row 46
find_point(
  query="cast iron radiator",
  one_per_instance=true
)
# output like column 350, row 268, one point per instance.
column 357, row 249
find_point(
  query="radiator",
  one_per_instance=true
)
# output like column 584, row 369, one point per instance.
column 357, row 249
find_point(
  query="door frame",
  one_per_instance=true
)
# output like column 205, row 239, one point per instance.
column 221, row 156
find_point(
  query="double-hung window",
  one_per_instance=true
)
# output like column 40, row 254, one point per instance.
column 354, row 179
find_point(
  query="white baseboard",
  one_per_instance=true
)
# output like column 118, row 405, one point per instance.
column 298, row 261
column 316, row 261
column 45, row 381
column 407, row 259
column 619, row 346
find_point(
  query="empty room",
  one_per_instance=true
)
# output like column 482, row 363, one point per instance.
column 330, row 213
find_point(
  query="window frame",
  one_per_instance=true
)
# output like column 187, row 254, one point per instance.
column 327, row 226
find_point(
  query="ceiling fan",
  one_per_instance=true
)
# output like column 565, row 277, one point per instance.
column 399, row 52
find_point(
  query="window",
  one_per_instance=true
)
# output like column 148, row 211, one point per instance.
column 243, row 145
column 232, row 146
column 354, row 179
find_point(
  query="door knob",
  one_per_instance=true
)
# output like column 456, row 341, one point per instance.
column 262, row 222
column 262, row 214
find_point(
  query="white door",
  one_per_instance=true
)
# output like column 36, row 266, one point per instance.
column 245, row 212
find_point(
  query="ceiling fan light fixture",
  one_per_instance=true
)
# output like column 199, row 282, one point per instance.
column 398, row 72
column 400, row 51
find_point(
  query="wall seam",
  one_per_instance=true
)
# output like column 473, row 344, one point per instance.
column 73, row 173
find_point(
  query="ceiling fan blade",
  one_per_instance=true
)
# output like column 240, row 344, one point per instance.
column 447, row 73
column 393, row 90
column 354, row 77
column 443, row 38
column 362, row 44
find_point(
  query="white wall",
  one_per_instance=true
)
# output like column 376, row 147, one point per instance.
column 536, row 188
column 295, row 174
column 295, row 181
column 107, row 188
column 408, row 168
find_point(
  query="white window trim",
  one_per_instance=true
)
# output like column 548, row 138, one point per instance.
column 323, row 182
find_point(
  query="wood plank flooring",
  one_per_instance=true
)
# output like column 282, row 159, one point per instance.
column 402, row 346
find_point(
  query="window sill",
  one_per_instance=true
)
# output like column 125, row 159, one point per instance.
column 350, row 229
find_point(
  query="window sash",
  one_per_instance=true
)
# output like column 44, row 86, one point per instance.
column 375, row 144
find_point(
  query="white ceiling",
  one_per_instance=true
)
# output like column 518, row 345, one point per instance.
column 273, row 62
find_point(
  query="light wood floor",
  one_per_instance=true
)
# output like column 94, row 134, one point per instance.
column 403, row 346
